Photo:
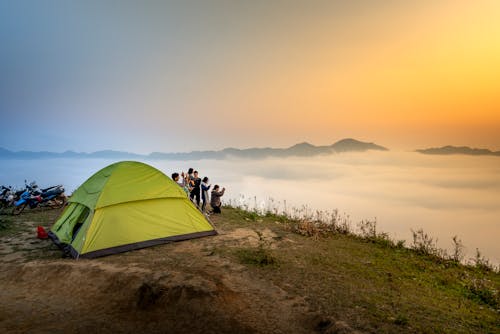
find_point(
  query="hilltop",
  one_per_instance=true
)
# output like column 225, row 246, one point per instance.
column 259, row 275
column 302, row 149
column 447, row 150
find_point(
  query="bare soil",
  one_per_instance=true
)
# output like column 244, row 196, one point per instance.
column 183, row 287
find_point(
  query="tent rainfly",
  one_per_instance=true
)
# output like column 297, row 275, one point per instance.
column 124, row 206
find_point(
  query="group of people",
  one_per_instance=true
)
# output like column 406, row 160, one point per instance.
column 198, row 190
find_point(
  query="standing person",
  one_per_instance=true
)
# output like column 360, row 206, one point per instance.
column 215, row 198
column 188, row 179
column 205, row 187
column 195, row 183
column 189, row 175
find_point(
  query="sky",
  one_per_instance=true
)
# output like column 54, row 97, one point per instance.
column 170, row 76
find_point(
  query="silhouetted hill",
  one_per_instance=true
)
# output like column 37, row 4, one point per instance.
column 446, row 150
column 109, row 154
column 6, row 153
column 30, row 155
column 350, row 145
column 298, row 150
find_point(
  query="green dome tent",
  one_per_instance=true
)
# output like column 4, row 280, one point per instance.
column 125, row 206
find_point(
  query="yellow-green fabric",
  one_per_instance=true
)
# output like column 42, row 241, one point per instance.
column 125, row 182
column 117, row 225
column 127, row 203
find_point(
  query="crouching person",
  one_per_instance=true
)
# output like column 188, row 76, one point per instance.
column 215, row 198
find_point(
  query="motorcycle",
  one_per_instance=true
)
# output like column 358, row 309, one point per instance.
column 53, row 197
column 33, row 197
column 22, row 198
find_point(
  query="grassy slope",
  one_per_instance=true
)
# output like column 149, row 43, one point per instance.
column 373, row 287
column 367, row 285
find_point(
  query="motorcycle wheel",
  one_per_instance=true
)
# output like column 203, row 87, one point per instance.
column 62, row 200
column 18, row 209
column 59, row 202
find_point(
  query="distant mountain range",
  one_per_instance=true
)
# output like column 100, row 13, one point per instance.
column 446, row 150
column 298, row 150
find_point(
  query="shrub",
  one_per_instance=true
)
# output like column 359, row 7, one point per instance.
column 482, row 290
column 458, row 250
column 424, row 243
column 482, row 263
column 368, row 229
column 400, row 244
column 368, row 232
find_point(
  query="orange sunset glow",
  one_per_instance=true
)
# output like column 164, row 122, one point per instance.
column 404, row 74
column 412, row 75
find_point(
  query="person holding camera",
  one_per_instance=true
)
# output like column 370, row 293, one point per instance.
column 195, row 192
column 215, row 198
column 205, row 187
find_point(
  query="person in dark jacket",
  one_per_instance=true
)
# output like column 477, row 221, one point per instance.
column 205, row 187
column 195, row 193
column 215, row 198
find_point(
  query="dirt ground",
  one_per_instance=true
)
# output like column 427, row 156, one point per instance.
column 184, row 287
column 255, row 276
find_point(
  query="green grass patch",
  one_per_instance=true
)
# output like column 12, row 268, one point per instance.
column 9, row 226
column 5, row 224
column 256, row 256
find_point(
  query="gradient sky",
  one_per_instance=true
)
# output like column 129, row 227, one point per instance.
column 186, row 75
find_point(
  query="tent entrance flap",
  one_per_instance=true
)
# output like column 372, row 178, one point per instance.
column 73, row 217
